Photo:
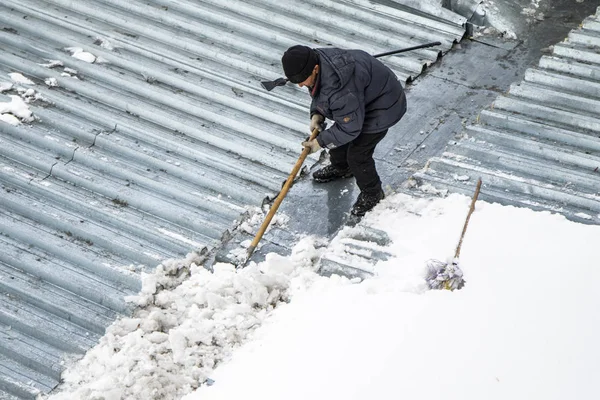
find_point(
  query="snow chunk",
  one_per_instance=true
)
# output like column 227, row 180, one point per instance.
column 428, row 188
column 20, row 78
column 510, row 35
column 584, row 216
column 5, row 86
column 52, row 82
column 9, row 119
column 52, row 64
column 104, row 43
column 82, row 55
column 29, row 93
column 461, row 178
column 18, row 108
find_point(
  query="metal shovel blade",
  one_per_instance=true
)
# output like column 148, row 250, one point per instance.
column 270, row 85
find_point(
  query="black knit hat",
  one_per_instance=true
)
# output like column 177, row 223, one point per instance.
column 299, row 62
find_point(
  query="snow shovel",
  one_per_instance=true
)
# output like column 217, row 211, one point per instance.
column 279, row 199
column 270, row 85
column 441, row 275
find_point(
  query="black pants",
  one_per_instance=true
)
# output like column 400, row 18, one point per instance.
column 358, row 156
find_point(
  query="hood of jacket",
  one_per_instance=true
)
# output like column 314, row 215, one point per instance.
column 336, row 69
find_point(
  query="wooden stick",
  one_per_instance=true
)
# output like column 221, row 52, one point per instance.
column 280, row 198
column 475, row 195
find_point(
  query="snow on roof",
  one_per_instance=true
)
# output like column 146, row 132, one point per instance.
column 538, row 145
column 524, row 326
column 151, row 137
column 279, row 330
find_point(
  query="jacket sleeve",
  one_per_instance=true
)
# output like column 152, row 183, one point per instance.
column 313, row 108
column 348, row 112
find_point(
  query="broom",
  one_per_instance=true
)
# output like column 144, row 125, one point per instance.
column 442, row 275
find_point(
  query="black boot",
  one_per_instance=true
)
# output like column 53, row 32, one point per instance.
column 365, row 202
column 331, row 173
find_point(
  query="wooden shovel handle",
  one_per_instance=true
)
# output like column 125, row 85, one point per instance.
column 473, row 200
column 281, row 195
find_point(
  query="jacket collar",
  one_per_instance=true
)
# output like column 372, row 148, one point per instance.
column 315, row 89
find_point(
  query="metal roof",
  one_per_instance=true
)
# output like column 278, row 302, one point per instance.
column 152, row 151
column 537, row 146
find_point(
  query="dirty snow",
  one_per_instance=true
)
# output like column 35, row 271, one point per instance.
column 496, row 22
column 500, row 21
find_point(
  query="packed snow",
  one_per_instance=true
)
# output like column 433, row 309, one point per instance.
column 523, row 327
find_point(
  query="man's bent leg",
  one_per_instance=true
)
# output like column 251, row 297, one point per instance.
column 338, row 168
column 339, row 157
column 361, row 162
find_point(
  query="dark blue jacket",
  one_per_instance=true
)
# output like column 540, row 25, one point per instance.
column 357, row 92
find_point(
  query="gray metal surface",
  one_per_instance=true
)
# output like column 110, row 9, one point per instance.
column 153, row 151
column 538, row 145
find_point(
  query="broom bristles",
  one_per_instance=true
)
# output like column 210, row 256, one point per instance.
column 443, row 275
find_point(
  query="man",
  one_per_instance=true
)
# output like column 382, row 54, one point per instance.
column 364, row 99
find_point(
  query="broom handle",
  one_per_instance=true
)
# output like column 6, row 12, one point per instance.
column 475, row 195
column 280, row 197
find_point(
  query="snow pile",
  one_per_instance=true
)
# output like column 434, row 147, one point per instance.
column 190, row 322
column 251, row 225
column 525, row 325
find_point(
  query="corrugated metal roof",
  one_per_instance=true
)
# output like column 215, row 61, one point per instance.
column 538, row 146
column 153, row 150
